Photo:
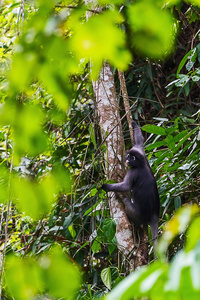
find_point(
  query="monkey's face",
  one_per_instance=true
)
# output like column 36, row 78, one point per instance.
column 134, row 159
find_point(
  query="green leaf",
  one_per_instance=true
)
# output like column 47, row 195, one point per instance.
column 170, row 142
column 106, row 277
column 112, row 245
column 155, row 145
column 146, row 281
column 179, row 136
column 52, row 273
column 26, row 61
column 72, row 231
column 92, row 135
column 109, row 229
column 187, row 88
column 89, row 41
column 29, row 279
column 95, row 208
column 94, row 191
column 185, row 138
column 193, row 234
column 28, row 135
column 177, row 202
column 183, row 61
column 61, row 278
column 175, row 226
column 33, row 198
column 154, row 129
column 66, row 225
column 56, row 84
column 153, row 29
column 5, row 187
column 96, row 246
column 184, row 275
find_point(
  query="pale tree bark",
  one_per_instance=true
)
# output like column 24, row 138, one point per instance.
column 135, row 250
column 109, row 121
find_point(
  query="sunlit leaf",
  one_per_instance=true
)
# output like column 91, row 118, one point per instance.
column 152, row 29
column 89, row 41
column 61, row 278
column 109, row 228
column 28, row 62
column 52, row 273
column 96, row 246
column 57, row 85
column 177, row 225
column 194, row 2
column 193, row 234
column 144, row 281
column 23, row 277
column 35, row 199
column 5, row 185
column 105, row 2
column 184, row 275
column 26, row 120
column 154, row 129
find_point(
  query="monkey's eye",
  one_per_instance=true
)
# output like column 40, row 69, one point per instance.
column 128, row 155
column 133, row 157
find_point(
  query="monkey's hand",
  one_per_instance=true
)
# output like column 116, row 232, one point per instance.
column 105, row 187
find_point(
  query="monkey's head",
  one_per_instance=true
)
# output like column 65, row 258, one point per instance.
column 135, row 158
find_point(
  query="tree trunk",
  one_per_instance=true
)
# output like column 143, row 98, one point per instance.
column 109, row 121
column 134, row 250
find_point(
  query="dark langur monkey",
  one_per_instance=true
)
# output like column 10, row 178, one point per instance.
column 143, row 207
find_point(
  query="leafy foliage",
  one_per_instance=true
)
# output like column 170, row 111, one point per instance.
column 51, row 153
column 184, row 81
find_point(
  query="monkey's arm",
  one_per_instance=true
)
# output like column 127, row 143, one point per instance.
column 138, row 137
column 116, row 187
column 121, row 187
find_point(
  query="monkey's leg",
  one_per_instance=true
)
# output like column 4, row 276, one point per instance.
column 132, row 211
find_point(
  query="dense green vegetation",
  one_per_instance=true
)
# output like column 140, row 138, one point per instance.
column 57, row 236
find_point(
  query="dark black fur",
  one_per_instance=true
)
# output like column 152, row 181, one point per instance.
column 144, row 205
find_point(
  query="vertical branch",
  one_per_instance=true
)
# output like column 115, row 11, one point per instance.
column 126, row 104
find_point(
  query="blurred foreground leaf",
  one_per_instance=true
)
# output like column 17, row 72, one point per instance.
column 100, row 39
column 177, row 225
column 35, row 199
column 152, row 27
column 28, row 134
column 52, row 273
column 5, row 187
